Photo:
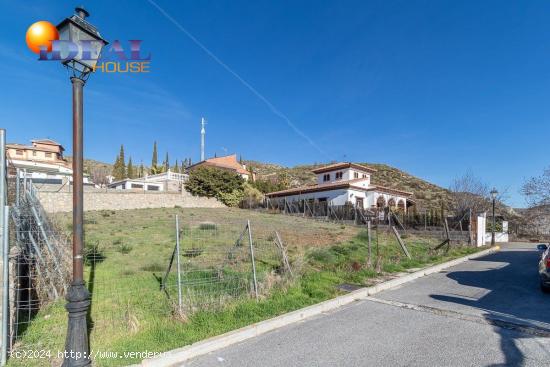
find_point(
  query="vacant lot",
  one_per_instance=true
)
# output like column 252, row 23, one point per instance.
column 128, row 252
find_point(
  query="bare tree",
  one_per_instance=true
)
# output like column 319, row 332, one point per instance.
column 469, row 192
column 537, row 189
column 99, row 175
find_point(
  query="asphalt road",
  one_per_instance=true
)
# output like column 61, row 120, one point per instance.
column 485, row 312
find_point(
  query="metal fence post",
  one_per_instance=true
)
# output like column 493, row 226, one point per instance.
column 5, row 259
column 252, row 258
column 5, row 282
column 180, row 301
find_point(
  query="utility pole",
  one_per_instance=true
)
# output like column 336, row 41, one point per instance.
column 203, row 133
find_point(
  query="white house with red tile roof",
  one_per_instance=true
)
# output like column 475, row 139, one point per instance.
column 343, row 183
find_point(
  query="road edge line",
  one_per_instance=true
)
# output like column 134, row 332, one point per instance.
column 179, row 355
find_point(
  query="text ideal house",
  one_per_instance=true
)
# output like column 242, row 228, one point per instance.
column 343, row 184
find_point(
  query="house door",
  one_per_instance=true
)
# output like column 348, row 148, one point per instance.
column 359, row 203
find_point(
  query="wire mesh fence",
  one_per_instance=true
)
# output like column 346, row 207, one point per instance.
column 213, row 266
column 429, row 223
column 39, row 258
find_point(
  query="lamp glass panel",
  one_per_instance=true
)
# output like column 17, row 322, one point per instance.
column 73, row 33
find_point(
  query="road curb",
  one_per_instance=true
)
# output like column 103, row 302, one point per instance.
column 177, row 356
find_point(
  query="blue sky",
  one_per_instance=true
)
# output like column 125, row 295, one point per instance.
column 435, row 88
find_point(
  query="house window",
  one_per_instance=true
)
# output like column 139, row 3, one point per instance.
column 19, row 152
column 152, row 188
column 48, row 155
column 364, row 175
column 355, row 174
column 34, row 153
column 326, row 177
column 136, row 186
column 339, row 175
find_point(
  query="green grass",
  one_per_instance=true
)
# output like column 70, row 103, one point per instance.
column 129, row 312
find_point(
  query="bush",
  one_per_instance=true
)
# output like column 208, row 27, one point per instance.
column 125, row 249
column 233, row 198
column 93, row 254
column 252, row 197
column 226, row 186
column 208, row 226
column 153, row 267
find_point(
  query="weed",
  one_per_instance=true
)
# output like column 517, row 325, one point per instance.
column 153, row 267
column 208, row 226
column 125, row 249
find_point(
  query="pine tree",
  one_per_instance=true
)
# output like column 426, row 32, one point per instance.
column 154, row 160
column 130, row 169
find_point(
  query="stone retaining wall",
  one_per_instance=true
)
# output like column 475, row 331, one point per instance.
column 57, row 202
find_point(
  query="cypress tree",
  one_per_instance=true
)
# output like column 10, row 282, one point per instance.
column 166, row 163
column 122, row 163
column 141, row 169
column 176, row 167
column 130, row 169
column 154, row 160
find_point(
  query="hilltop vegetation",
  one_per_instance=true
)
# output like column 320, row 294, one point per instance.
column 426, row 194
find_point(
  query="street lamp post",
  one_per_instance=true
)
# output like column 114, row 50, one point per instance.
column 81, row 33
column 494, row 194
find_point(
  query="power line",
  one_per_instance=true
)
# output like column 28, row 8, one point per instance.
column 273, row 109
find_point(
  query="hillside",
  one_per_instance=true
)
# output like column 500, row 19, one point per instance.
column 426, row 194
column 90, row 164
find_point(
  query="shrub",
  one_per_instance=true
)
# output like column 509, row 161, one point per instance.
column 226, row 186
column 153, row 267
column 233, row 198
column 125, row 249
column 93, row 254
column 208, row 226
column 252, row 197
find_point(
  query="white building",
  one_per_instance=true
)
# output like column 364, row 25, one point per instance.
column 167, row 181
column 343, row 183
column 42, row 162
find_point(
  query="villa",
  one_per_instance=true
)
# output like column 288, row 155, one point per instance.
column 345, row 183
